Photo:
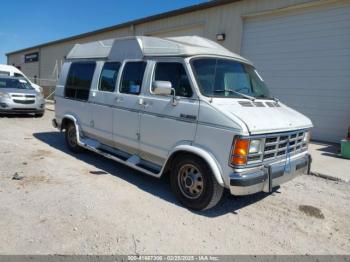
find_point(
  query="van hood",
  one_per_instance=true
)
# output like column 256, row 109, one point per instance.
column 262, row 116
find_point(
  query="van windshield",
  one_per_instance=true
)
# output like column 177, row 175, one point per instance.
column 228, row 78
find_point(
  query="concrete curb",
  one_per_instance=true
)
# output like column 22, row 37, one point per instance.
column 332, row 178
column 49, row 102
column 50, row 108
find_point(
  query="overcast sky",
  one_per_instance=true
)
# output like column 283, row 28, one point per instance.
column 24, row 23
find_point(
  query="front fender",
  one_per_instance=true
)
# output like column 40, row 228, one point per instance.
column 77, row 126
column 208, row 157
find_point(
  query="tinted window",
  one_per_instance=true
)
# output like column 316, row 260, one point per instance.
column 132, row 77
column 228, row 78
column 109, row 76
column 14, row 83
column 4, row 73
column 176, row 74
column 79, row 80
column 18, row 75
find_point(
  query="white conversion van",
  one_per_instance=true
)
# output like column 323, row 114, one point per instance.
column 183, row 106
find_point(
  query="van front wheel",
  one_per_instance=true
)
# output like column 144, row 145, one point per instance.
column 194, row 184
column 71, row 139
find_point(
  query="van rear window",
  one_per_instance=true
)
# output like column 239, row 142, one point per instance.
column 79, row 80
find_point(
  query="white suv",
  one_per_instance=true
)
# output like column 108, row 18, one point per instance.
column 183, row 106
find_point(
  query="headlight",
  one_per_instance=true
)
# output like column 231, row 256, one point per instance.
column 243, row 148
column 255, row 146
column 40, row 95
column 4, row 95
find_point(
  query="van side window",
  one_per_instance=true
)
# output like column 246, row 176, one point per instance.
column 132, row 77
column 79, row 80
column 109, row 76
column 176, row 74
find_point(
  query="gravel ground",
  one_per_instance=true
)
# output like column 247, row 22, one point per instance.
column 86, row 204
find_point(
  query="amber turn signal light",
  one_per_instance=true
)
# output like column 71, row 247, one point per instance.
column 240, row 152
column 238, row 160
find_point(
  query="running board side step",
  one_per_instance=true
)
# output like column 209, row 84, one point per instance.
column 133, row 161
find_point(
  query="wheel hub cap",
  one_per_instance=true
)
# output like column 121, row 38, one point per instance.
column 190, row 181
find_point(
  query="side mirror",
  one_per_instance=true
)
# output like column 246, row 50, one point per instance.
column 162, row 88
column 165, row 88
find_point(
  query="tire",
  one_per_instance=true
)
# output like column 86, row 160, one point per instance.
column 39, row 114
column 194, row 184
column 71, row 139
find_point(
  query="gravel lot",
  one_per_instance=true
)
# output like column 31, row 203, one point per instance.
column 86, row 204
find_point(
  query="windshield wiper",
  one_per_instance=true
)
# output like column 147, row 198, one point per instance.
column 237, row 93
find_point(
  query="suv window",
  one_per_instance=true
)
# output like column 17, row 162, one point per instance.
column 109, row 76
column 176, row 74
column 79, row 80
column 18, row 75
column 3, row 73
column 132, row 77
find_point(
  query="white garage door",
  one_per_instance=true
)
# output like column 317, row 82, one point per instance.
column 304, row 57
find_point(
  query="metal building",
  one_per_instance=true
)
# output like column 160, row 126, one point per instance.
column 301, row 47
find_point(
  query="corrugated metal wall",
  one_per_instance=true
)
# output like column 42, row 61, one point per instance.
column 209, row 22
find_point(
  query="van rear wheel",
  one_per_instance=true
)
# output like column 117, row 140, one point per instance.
column 71, row 139
column 194, row 184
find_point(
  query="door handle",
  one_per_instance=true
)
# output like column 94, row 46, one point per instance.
column 143, row 103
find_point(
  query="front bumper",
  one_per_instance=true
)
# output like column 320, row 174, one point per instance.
column 8, row 106
column 267, row 177
column 22, row 111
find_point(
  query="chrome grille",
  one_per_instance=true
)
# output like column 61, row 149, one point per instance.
column 25, row 102
column 280, row 145
column 22, row 96
column 277, row 145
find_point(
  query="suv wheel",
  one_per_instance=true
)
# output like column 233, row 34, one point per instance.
column 194, row 184
column 39, row 114
column 71, row 139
